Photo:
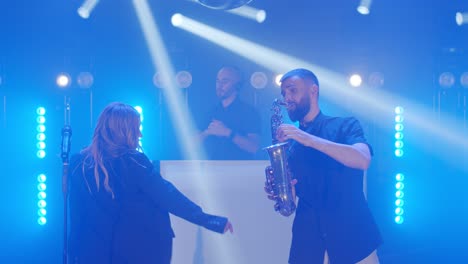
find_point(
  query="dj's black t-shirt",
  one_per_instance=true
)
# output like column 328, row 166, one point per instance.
column 243, row 119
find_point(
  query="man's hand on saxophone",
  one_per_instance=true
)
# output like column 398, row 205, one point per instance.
column 269, row 188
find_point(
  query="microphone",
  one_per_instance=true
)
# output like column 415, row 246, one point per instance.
column 66, row 141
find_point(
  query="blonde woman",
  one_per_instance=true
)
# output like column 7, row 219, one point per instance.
column 119, row 204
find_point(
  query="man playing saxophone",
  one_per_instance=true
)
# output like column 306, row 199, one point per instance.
column 333, row 223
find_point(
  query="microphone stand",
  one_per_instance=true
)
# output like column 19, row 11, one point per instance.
column 66, row 143
column 65, row 207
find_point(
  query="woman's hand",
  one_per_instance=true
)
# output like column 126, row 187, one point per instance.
column 228, row 227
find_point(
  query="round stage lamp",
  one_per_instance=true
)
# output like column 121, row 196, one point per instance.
column 184, row 79
column 446, row 80
column 464, row 80
column 258, row 80
column 63, row 80
column 85, row 80
column 158, row 81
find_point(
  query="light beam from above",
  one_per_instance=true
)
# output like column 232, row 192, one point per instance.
column 180, row 114
column 178, row 110
column 364, row 7
column 87, row 8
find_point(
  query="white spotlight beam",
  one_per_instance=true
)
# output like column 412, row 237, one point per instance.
column 364, row 7
column 461, row 18
column 86, row 8
column 179, row 113
column 249, row 12
column 178, row 110
column 374, row 104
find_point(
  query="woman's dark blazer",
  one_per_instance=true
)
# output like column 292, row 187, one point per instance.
column 131, row 223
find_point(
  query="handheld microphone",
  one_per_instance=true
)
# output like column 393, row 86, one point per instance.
column 66, row 141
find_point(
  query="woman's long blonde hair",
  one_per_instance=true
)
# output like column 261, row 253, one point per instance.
column 117, row 132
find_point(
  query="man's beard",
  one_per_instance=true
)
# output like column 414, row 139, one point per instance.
column 220, row 94
column 300, row 111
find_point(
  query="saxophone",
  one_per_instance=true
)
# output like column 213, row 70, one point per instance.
column 278, row 175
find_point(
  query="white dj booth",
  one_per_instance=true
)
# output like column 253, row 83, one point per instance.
column 233, row 189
